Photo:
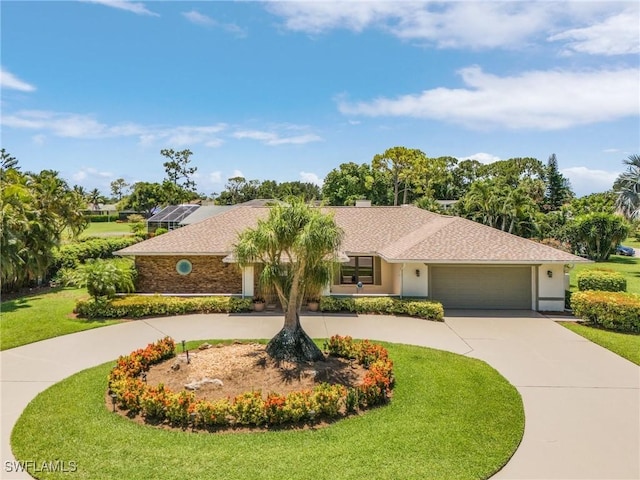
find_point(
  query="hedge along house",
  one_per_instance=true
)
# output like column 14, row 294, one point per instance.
column 393, row 251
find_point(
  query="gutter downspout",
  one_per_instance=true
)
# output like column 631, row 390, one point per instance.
column 402, row 281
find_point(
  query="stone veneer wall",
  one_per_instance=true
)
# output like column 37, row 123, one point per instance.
column 157, row 274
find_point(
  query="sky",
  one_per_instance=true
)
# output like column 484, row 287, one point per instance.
column 290, row 90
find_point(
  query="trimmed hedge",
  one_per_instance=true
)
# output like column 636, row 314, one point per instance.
column 102, row 218
column 610, row 310
column 158, row 404
column 384, row 305
column 602, row 280
column 136, row 306
column 73, row 254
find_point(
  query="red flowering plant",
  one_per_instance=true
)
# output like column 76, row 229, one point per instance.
column 159, row 404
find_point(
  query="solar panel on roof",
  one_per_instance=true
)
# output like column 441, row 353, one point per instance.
column 173, row 213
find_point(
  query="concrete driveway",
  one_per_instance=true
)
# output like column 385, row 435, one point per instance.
column 582, row 402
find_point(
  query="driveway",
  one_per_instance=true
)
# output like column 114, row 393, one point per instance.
column 582, row 402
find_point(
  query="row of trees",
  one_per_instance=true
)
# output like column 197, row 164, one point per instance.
column 36, row 209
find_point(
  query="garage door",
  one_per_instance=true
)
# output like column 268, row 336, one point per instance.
column 482, row 287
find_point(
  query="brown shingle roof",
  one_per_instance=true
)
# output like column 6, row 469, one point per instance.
column 397, row 234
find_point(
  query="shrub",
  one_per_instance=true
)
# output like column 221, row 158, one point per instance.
column 101, row 218
column 73, row 254
column 160, row 231
column 603, row 280
column 384, row 305
column 210, row 414
column 136, row 306
column 248, row 409
column 610, row 310
column 103, row 278
column 159, row 404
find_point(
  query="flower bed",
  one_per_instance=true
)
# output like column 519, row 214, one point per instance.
column 158, row 404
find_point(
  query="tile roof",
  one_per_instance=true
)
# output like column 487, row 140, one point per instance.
column 397, row 234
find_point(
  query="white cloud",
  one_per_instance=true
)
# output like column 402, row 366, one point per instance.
column 39, row 139
column 10, row 82
column 481, row 157
column 275, row 139
column 310, row 178
column 199, row 18
column 453, row 24
column 237, row 173
column 585, row 180
column 204, row 20
column 90, row 173
column 72, row 125
column 543, row 100
column 617, row 35
column 134, row 7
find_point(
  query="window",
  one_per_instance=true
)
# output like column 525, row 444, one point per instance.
column 358, row 269
column 183, row 267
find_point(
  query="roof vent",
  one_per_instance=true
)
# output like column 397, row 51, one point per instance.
column 363, row 203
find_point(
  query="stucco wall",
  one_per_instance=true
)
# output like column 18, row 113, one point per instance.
column 157, row 274
column 412, row 284
column 551, row 288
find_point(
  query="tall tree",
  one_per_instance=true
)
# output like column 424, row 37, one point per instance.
column 597, row 234
column 627, row 188
column 558, row 190
column 119, row 188
column 145, row 197
column 297, row 246
column 178, row 170
column 350, row 182
column 8, row 161
column 398, row 163
column 36, row 209
column 94, row 198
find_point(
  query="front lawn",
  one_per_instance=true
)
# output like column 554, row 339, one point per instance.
column 627, row 345
column 627, row 266
column 38, row 317
column 450, row 417
column 107, row 229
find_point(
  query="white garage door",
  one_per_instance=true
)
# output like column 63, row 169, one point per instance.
column 481, row 287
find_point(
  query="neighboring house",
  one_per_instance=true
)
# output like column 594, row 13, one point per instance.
column 396, row 251
column 101, row 209
column 170, row 217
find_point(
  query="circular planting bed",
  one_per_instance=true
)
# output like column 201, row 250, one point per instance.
column 450, row 417
column 222, row 388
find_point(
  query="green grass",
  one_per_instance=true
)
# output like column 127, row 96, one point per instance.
column 627, row 345
column 627, row 266
column 38, row 317
column 105, row 229
column 451, row 417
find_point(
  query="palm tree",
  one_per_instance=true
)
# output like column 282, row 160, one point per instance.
column 627, row 187
column 297, row 247
column 94, row 197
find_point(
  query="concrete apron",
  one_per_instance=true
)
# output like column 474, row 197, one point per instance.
column 582, row 402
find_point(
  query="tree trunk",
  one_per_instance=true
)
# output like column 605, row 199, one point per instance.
column 292, row 344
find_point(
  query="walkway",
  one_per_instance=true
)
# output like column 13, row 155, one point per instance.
column 582, row 402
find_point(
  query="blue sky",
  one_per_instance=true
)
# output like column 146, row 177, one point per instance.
column 289, row 90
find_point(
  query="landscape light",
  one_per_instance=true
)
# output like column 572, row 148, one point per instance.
column 184, row 345
column 114, row 397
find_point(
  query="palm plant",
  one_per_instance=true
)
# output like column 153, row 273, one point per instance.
column 297, row 246
column 627, row 187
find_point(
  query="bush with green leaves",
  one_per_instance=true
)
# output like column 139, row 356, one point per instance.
column 73, row 254
column 604, row 280
column 103, row 278
column 137, row 306
column 137, row 225
column 384, row 305
column 617, row 311
column 102, row 218
column 160, row 231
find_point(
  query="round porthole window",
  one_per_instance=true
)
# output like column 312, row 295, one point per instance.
column 183, row 267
